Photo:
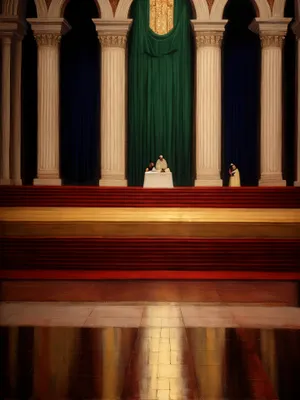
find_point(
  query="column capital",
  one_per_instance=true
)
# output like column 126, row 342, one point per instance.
column 112, row 33
column 209, row 33
column 11, row 26
column 271, row 32
column 267, row 40
column 209, row 39
column 48, row 31
column 47, row 39
column 113, row 40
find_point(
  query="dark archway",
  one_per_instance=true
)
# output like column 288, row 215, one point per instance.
column 80, row 96
column 29, row 102
column 241, row 93
column 289, row 98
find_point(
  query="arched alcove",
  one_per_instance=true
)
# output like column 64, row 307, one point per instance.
column 79, row 94
column 289, row 98
column 29, row 101
column 160, row 94
column 240, row 93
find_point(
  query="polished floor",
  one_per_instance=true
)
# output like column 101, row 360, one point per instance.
column 147, row 350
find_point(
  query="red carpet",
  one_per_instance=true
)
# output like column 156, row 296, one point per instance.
column 173, row 254
column 93, row 275
column 224, row 197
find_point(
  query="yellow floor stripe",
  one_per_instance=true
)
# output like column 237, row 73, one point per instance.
column 51, row 214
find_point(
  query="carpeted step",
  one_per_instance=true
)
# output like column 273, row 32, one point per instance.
column 224, row 197
column 149, row 254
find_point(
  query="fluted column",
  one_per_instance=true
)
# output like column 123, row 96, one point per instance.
column 208, row 103
column 5, row 110
column 296, row 29
column 113, row 38
column 48, row 35
column 16, row 111
column 272, row 36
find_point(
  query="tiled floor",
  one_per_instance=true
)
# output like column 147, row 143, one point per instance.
column 147, row 315
column 151, row 351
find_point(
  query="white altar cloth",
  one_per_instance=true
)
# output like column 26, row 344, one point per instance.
column 159, row 180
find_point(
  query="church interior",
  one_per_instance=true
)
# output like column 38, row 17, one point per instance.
column 150, row 199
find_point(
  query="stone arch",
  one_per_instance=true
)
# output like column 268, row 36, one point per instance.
column 200, row 8
column 262, row 6
column 17, row 7
column 57, row 7
column 278, row 8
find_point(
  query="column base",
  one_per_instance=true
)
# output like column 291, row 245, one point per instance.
column 5, row 182
column 106, row 182
column 47, row 182
column 209, row 182
column 17, row 182
column 272, row 180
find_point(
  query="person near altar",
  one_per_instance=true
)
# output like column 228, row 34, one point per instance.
column 158, row 176
column 151, row 167
column 162, row 165
column 234, row 180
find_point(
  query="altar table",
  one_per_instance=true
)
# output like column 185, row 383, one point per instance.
column 159, row 180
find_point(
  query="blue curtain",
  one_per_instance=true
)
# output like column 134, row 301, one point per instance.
column 241, row 93
column 29, row 102
column 80, row 99
column 289, row 97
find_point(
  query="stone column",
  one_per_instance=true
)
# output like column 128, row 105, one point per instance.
column 113, row 37
column 5, row 110
column 48, row 34
column 208, row 102
column 296, row 29
column 272, row 36
column 16, row 111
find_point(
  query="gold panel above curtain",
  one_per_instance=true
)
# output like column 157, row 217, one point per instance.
column 161, row 16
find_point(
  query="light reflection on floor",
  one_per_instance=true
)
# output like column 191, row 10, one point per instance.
column 148, row 351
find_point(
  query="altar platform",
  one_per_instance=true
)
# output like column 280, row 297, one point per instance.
column 92, row 233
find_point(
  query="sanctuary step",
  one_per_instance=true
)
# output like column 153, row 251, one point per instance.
column 204, row 197
column 184, row 254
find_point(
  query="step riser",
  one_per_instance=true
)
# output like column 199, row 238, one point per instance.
column 30, row 196
column 156, row 254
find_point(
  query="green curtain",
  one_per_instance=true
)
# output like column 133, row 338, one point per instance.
column 160, row 91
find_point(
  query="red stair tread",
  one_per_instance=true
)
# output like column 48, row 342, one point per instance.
column 66, row 196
